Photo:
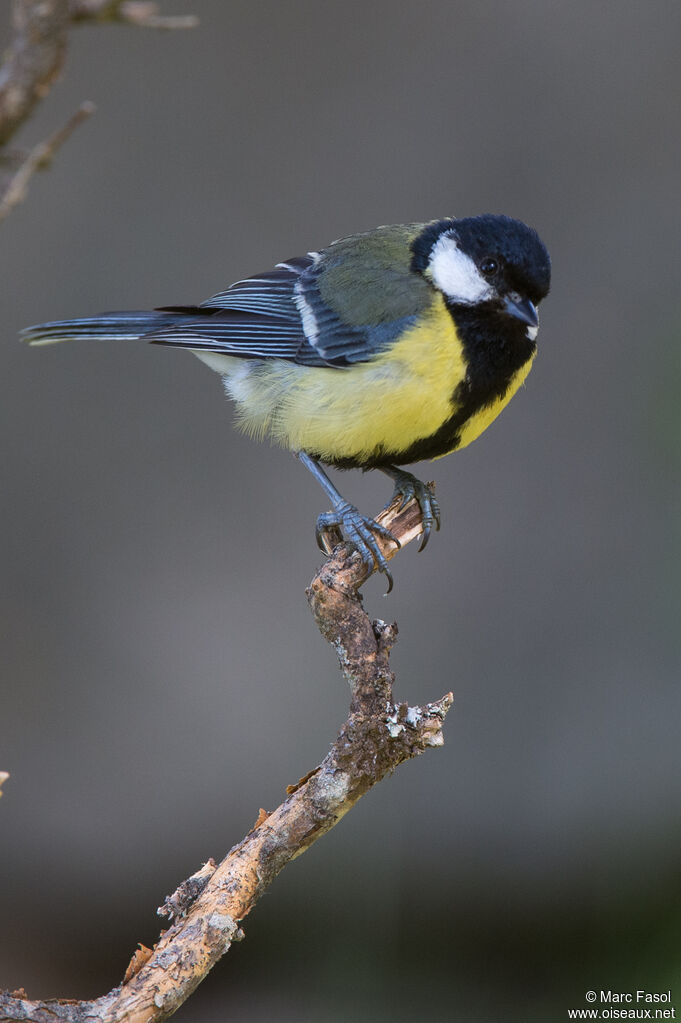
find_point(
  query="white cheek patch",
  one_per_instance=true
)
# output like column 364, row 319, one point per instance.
column 455, row 273
column 531, row 333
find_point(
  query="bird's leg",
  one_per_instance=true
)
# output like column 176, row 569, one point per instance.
column 358, row 529
column 408, row 487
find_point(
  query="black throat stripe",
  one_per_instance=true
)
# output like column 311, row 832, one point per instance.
column 495, row 347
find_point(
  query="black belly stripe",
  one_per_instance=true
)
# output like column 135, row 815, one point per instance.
column 495, row 347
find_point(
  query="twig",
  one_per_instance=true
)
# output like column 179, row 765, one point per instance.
column 32, row 65
column 34, row 60
column 14, row 190
column 208, row 908
column 142, row 13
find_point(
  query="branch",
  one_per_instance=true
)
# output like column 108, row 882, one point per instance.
column 378, row 735
column 35, row 58
column 15, row 185
column 142, row 13
column 32, row 65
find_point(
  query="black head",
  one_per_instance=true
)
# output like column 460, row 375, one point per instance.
column 487, row 259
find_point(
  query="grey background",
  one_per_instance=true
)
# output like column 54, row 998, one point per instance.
column 161, row 677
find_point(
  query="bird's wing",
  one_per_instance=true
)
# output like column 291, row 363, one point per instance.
column 270, row 293
column 254, row 318
column 334, row 308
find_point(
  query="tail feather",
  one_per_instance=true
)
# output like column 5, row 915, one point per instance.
column 125, row 326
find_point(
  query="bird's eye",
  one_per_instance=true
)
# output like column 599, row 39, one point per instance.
column 489, row 266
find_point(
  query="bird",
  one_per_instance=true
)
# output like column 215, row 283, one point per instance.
column 385, row 348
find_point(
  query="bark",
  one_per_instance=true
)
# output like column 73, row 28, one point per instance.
column 206, row 911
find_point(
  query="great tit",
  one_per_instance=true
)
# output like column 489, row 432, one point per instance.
column 385, row 348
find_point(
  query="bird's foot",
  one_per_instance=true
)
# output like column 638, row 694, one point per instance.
column 360, row 531
column 409, row 488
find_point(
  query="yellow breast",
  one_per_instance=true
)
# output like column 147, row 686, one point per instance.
column 402, row 396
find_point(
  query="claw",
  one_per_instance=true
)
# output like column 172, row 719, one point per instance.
column 359, row 530
column 406, row 498
column 409, row 488
column 425, row 537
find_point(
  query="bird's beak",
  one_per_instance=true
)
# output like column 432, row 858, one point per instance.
column 522, row 309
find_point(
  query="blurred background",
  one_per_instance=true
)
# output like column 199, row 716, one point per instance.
column 161, row 676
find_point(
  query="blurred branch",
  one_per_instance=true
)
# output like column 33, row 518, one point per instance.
column 4, row 775
column 32, row 65
column 207, row 909
column 143, row 13
column 16, row 183
column 34, row 60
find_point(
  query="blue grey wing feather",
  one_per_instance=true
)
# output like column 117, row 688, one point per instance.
column 270, row 293
column 254, row 318
column 260, row 317
column 249, row 335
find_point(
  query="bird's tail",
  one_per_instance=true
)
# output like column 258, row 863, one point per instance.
column 128, row 326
